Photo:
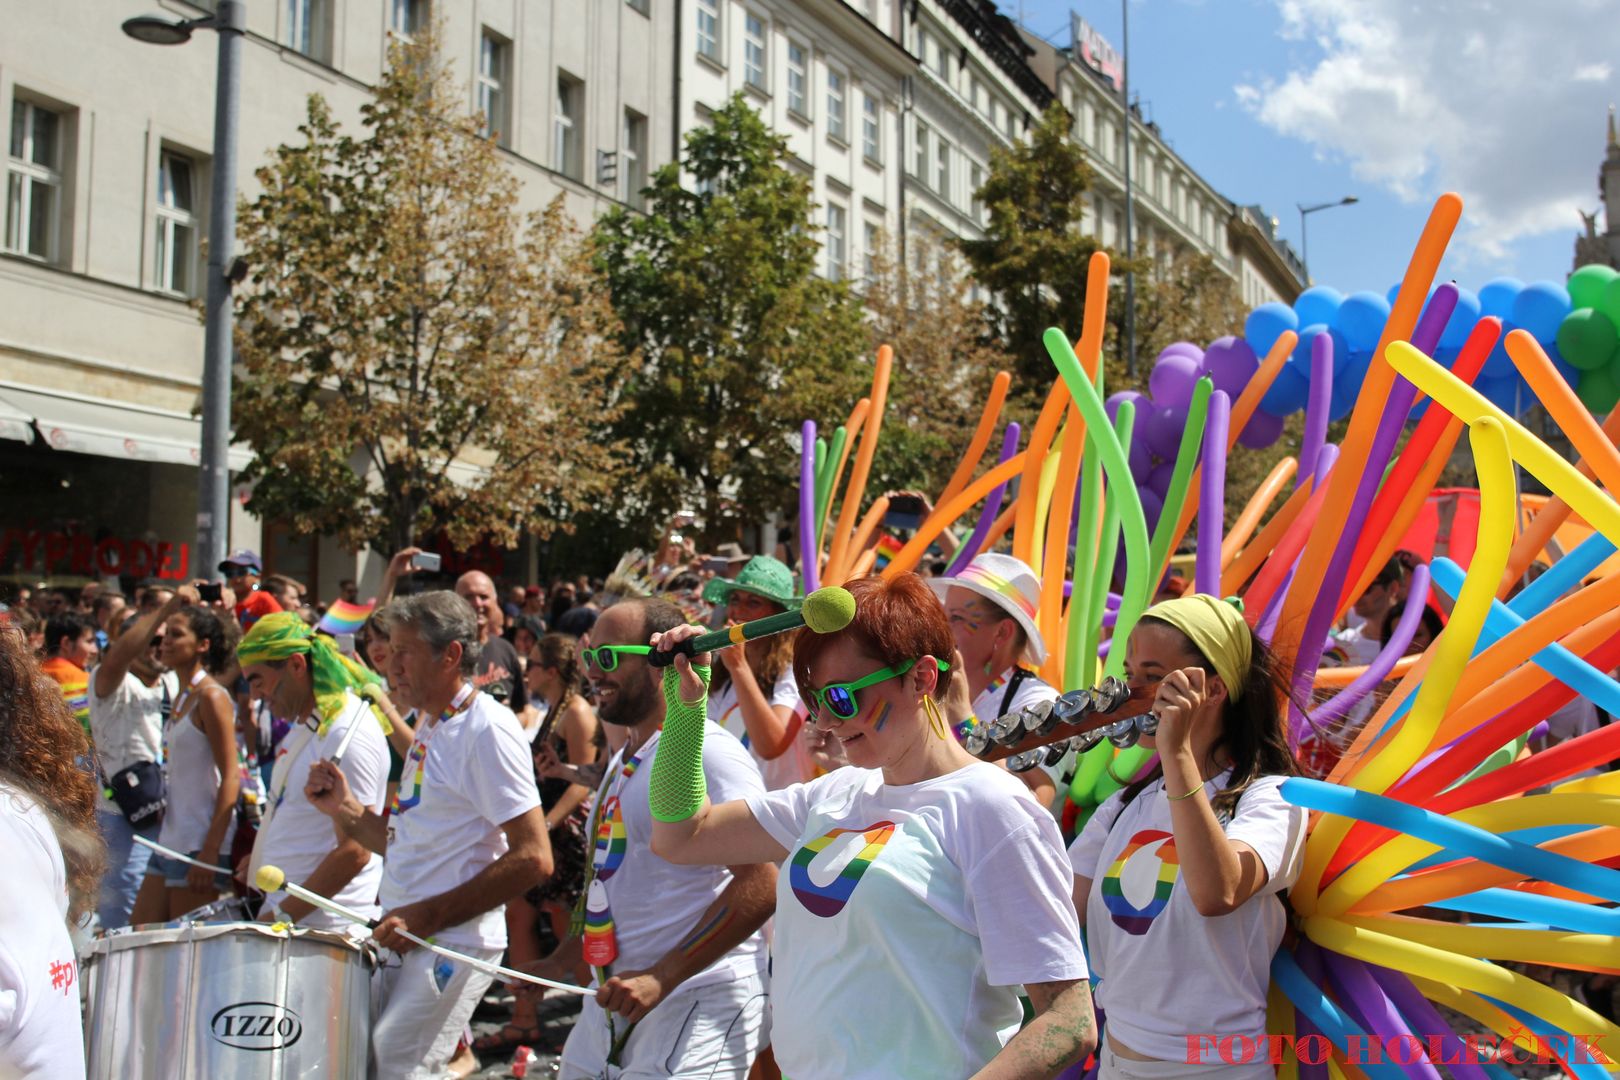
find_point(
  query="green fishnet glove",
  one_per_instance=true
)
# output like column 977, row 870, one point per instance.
column 676, row 789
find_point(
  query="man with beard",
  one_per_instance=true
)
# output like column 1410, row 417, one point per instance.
column 498, row 673
column 131, row 694
column 677, row 952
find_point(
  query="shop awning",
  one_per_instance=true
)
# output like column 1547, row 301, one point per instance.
column 15, row 424
column 88, row 425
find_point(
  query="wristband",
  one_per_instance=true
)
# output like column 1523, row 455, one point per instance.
column 676, row 789
column 1178, row 798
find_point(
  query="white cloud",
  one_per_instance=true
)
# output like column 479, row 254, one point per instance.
column 1502, row 101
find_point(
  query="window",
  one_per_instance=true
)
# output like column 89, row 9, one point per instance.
column 976, row 181
column 309, row 28
column 872, row 240
column 638, row 5
column 176, row 245
column 406, row 17
column 836, row 248
column 1007, row 123
column 754, row 52
column 978, row 95
column 798, row 80
column 835, row 106
column 919, row 162
column 871, row 128
column 34, row 181
column 494, row 60
column 942, row 61
column 942, row 169
column 708, row 29
column 565, row 153
column 635, row 158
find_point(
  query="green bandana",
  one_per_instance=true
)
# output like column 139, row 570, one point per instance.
column 276, row 637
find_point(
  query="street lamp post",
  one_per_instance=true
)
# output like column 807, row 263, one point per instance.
column 1304, row 248
column 214, row 473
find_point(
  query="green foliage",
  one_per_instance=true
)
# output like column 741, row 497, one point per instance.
column 416, row 355
column 739, row 339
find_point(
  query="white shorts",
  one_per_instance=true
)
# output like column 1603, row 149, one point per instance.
column 712, row 1033
column 424, row 1003
column 1114, row 1067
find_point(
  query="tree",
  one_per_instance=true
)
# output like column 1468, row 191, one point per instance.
column 944, row 362
column 417, row 355
column 740, row 340
column 1183, row 295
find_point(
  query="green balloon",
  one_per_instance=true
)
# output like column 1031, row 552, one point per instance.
column 1599, row 389
column 1609, row 302
column 1586, row 285
column 1587, row 338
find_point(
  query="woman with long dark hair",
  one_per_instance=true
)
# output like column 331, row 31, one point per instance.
column 201, row 772
column 1178, row 876
column 53, row 857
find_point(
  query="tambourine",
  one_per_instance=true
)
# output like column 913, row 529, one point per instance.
column 1076, row 721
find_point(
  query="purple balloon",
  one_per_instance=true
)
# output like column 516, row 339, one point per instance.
column 1162, row 433
column 1261, row 431
column 1174, row 376
column 1158, row 480
column 1152, row 506
column 1230, row 363
column 1181, row 348
column 1135, row 397
column 1139, row 456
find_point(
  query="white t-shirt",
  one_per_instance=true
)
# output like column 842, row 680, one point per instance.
column 475, row 776
column 127, row 724
column 793, row 765
column 1143, row 930
column 987, row 707
column 295, row 836
column 41, row 1030
column 657, row 905
column 907, row 916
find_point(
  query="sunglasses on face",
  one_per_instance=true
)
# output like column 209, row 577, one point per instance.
column 838, row 699
column 606, row 657
column 239, row 571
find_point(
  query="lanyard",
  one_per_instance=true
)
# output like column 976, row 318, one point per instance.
column 593, row 917
column 416, row 758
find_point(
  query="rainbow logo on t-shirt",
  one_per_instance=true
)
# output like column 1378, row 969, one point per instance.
column 610, row 839
column 824, row 872
column 1127, row 916
column 409, row 792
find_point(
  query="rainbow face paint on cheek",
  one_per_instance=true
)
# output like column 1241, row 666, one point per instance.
column 881, row 720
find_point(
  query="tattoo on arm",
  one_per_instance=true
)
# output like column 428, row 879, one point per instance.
column 705, row 933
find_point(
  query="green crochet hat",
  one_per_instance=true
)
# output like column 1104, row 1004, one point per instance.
column 763, row 576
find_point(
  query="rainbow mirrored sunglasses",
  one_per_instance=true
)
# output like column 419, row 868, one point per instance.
column 839, row 698
column 606, row 657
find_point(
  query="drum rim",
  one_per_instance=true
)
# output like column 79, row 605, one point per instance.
column 159, row 934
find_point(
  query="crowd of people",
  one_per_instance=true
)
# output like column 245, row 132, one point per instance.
column 776, row 859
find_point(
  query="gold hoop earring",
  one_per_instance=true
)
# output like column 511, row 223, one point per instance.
column 935, row 720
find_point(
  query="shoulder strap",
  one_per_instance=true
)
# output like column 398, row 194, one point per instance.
column 1019, row 675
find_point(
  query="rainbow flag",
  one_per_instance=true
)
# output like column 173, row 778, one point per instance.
column 345, row 618
column 888, row 547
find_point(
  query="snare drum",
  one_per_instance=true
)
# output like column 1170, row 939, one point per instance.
column 240, row 999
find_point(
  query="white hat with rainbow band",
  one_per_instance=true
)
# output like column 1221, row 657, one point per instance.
column 1008, row 583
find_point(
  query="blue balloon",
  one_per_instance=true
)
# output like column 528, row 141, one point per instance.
column 1539, row 308
column 1498, row 364
column 1392, row 292
column 1361, row 319
column 1287, row 394
column 1347, row 382
column 1307, row 339
column 1504, row 393
column 1497, row 295
column 1318, row 304
column 1331, row 1020
column 1463, row 318
column 1266, row 324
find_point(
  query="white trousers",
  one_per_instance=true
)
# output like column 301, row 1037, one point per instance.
column 424, row 1003
column 1114, row 1067
column 712, row 1033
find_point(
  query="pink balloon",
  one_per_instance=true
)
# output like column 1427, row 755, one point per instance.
column 1173, row 378
column 1261, row 431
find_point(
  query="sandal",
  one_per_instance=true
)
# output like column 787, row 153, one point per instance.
column 509, row 1038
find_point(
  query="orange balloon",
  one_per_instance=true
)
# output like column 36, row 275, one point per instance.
column 837, row 565
column 863, row 537
column 852, row 431
column 1040, row 439
column 1250, row 558
column 1336, row 677
column 1249, row 519
column 1357, row 443
column 981, row 438
column 942, row 516
column 1470, row 875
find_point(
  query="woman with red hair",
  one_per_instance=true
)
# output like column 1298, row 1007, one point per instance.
column 921, row 887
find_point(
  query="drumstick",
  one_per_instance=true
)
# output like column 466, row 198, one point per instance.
column 343, row 744
column 173, row 854
column 270, row 879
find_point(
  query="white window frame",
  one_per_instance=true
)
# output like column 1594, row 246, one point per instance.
column 798, row 79
column 837, row 242
column 942, row 167
column 176, row 226
column 309, row 28
column 24, row 175
column 634, row 156
column 567, row 136
column 492, row 85
column 975, row 181
column 403, row 12
column 709, row 41
column 871, row 231
column 756, row 69
column 872, row 128
column 837, row 105
column 919, row 160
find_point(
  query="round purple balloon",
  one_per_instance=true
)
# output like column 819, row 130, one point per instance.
column 1262, row 430
column 1230, row 363
column 1174, row 376
column 1135, row 397
column 1162, row 435
column 1152, row 505
column 1140, row 458
column 1181, row 348
column 1158, row 481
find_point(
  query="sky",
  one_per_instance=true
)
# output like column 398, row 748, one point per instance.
column 1287, row 102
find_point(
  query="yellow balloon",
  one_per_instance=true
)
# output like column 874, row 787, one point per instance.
column 1280, row 1021
column 1557, row 947
column 1476, row 1008
column 1464, row 971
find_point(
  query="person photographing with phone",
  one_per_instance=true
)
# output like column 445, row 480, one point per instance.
column 242, row 570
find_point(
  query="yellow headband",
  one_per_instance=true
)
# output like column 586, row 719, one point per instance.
column 1217, row 630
